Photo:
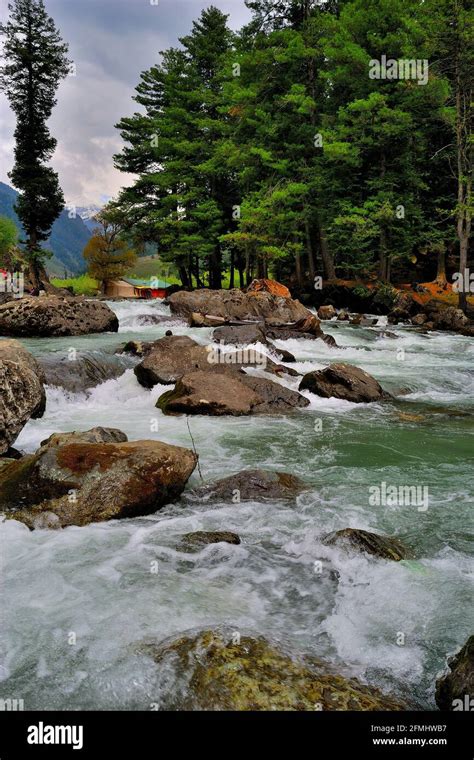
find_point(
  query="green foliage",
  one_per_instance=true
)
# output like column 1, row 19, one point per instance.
column 274, row 150
column 83, row 285
column 35, row 63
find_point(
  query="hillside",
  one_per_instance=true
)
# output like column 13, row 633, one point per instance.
column 67, row 240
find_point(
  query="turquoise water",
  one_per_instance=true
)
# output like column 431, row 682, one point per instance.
column 96, row 582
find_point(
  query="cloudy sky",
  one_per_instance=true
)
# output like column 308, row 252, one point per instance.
column 110, row 42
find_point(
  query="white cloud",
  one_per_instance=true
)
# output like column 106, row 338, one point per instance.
column 111, row 42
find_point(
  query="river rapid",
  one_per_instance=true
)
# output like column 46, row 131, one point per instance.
column 77, row 603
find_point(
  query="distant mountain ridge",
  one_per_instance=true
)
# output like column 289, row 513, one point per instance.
column 67, row 240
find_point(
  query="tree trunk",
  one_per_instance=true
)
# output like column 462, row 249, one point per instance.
column 326, row 256
column 309, row 248
column 183, row 274
column 464, row 172
column 232, row 271
column 440, row 278
column 298, row 272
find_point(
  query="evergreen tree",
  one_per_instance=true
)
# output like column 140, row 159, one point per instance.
column 35, row 63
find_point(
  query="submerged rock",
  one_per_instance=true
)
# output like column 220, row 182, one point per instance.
column 48, row 316
column 385, row 547
column 344, row 381
column 220, row 393
column 194, row 542
column 70, row 481
column 455, row 689
column 95, row 435
column 234, row 672
column 85, row 372
column 23, row 395
column 253, row 485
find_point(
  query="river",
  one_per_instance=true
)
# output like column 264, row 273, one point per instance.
column 77, row 603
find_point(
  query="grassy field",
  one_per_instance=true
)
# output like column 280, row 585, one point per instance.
column 82, row 285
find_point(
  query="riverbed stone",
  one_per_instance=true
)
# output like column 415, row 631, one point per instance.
column 194, row 542
column 228, row 393
column 82, row 482
column 220, row 671
column 54, row 316
column 82, row 373
column 23, row 395
column 455, row 688
column 385, row 547
column 236, row 305
column 344, row 381
column 252, row 485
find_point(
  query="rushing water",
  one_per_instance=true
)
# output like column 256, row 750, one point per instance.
column 96, row 582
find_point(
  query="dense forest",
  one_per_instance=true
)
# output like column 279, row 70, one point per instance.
column 327, row 140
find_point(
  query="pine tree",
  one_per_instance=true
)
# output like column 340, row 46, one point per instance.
column 35, row 63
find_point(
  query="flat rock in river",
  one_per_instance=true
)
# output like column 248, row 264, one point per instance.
column 235, row 394
column 51, row 316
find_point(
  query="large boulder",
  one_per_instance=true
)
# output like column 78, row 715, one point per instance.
column 71, row 481
column 166, row 360
column 95, row 435
column 23, row 395
column 252, row 485
column 455, row 689
column 232, row 393
column 344, row 381
column 50, row 316
column 445, row 317
column 385, row 547
column 237, row 305
column 83, row 372
column 219, row 671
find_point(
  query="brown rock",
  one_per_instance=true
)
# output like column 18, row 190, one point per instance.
column 219, row 393
column 253, row 485
column 234, row 304
column 455, row 689
column 385, row 547
column 23, row 395
column 219, row 671
column 194, row 542
column 53, row 316
column 81, row 483
column 326, row 312
column 344, row 381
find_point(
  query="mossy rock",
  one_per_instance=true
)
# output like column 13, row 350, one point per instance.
column 216, row 671
column 385, row 547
